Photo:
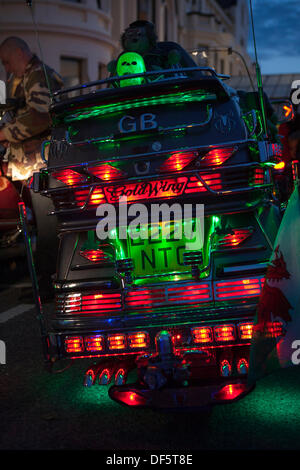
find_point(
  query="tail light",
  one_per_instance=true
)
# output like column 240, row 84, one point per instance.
column 106, row 172
column 274, row 329
column 235, row 238
column 213, row 181
column 94, row 343
column 74, row 344
column 202, row 335
column 97, row 303
column 259, row 176
column 245, row 330
column 116, row 342
column 145, row 298
column 225, row 368
column 69, row 177
column 190, row 294
column 138, row 340
column 97, row 256
column 224, row 333
column 177, row 162
column 237, row 289
column 216, row 157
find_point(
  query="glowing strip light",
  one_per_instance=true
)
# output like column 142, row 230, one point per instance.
column 237, row 288
column 106, row 172
column 69, row 177
column 74, row 344
column 94, row 343
column 216, row 157
column 202, row 335
column 171, row 98
column 224, row 333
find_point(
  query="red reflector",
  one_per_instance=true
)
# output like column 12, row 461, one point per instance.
column 202, row 334
column 245, row 330
column 237, row 289
column 259, row 176
column 117, row 341
column 74, row 344
column 217, row 156
column 94, row 343
column 177, row 162
column 69, row 177
column 138, row 340
column 106, row 172
column 97, row 256
column 238, row 236
column 224, row 333
column 230, row 391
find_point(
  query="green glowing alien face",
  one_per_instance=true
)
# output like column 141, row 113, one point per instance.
column 128, row 64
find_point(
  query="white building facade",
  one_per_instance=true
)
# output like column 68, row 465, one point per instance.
column 79, row 37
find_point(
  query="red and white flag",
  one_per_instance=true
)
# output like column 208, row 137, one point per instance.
column 276, row 332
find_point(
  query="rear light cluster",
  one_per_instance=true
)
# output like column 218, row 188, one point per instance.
column 234, row 289
column 95, row 303
column 111, row 343
column 235, row 238
column 259, row 176
column 147, row 298
column 69, row 177
column 140, row 340
column 227, row 333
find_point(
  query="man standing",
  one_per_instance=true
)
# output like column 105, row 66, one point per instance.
column 23, row 134
column 30, row 125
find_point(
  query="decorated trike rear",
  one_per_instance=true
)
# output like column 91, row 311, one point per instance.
column 167, row 215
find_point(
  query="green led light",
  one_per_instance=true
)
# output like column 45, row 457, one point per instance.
column 172, row 98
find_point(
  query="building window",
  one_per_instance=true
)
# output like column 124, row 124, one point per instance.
column 71, row 71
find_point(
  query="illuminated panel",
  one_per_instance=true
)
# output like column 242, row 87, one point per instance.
column 224, row 333
column 190, row 293
column 94, row 343
column 164, row 188
column 138, row 340
column 217, row 157
column 237, row 288
column 259, row 176
column 274, row 329
column 95, row 198
column 69, row 177
column 238, row 236
column 74, row 344
column 202, row 335
column 97, row 256
column 95, row 303
column 145, row 298
column 177, row 162
column 245, row 330
column 106, row 172
column 116, row 342
column 213, row 181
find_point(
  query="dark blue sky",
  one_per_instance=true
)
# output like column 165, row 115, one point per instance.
column 277, row 35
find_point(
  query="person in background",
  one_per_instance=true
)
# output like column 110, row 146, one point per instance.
column 29, row 125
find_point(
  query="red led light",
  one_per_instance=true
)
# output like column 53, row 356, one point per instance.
column 117, row 341
column 177, row 162
column 224, row 333
column 106, row 172
column 217, row 156
column 230, row 391
column 213, row 181
column 89, row 303
column 259, row 176
column 74, row 344
column 274, row 329
column 97, row 256
column 245, row 330
column 69, row 177
column 238, row 236
column 202, row 334
column 94, row 343
column 128, row 397
column 237, row 289
column 138, row 340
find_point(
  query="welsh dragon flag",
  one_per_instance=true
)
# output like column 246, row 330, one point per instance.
column 276, row 331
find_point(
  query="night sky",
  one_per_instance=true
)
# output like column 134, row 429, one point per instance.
column 277, row 35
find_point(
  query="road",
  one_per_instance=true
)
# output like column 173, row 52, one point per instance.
column 42, row 411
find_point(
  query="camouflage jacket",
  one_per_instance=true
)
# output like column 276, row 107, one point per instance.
column 31, row 121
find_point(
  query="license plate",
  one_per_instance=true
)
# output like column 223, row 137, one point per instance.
column 158, row 254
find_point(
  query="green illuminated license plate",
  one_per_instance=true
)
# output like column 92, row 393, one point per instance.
column 160, row 252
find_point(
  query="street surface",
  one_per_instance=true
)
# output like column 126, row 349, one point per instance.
column 54, row 411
